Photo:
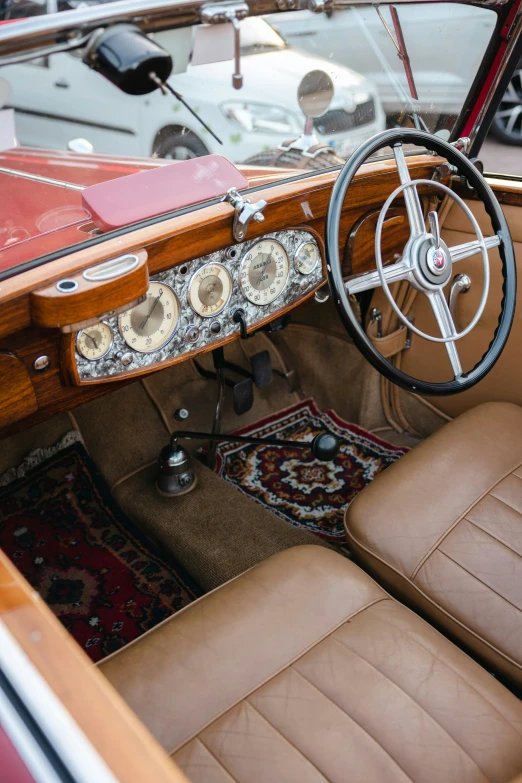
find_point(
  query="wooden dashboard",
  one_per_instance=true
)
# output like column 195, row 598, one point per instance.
column 34, row 314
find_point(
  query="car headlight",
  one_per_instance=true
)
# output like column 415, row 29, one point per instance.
column 261, row 118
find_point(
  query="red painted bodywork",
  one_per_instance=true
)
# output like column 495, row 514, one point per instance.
column 13, row 769
column 38, row 218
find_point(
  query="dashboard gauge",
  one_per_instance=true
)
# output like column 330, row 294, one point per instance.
column 209, row 290
column 150, row 325
column 94, row 342
column 264, row 272
column 306, row 258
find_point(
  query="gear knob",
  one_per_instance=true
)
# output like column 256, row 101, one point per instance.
column 325, row 446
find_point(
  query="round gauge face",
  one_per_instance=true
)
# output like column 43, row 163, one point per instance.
column 209, row 290
column 306, row 258
column 151, row 324
column 264, row 271
column 94, row 342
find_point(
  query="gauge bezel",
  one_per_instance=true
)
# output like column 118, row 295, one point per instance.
column 193, row 275
column 97, row 358
column 317, row 260
column 243, row 261
column 169, row 338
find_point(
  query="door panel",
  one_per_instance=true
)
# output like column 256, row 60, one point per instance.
column 429, row 361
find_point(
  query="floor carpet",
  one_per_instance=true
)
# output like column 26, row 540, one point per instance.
column 99, row 575
column 309, row 494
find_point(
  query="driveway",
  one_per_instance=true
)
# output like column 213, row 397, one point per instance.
column 501, row 158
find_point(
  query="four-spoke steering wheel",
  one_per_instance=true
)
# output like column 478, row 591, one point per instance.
column 427, row 262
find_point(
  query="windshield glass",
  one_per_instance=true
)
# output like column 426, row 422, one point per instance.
column 307, row 91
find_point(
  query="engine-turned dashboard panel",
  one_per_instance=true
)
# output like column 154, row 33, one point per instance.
column 203, row 302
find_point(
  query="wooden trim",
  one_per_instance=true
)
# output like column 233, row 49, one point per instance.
column 52, row 308
column 113, row 729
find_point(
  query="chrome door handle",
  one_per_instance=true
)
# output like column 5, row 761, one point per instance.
column 460, row 285
column 62, row 83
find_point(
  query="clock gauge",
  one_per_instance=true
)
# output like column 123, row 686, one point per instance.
column 151, row 324
column 94, row 342
column 306, row 258
column 209, row 289
column 264, row 272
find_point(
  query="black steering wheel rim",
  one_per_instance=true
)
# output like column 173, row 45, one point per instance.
column 335, row 276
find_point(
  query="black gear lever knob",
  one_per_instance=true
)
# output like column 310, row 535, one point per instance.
column 325, row 446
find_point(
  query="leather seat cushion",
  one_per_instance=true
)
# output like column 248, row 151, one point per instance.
column 442, row 530
column 303, row 669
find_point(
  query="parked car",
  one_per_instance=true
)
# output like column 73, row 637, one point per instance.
column 357, row 37
column 57, row 98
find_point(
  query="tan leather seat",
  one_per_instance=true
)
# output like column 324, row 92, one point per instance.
column 442, row 530
column 303, row 670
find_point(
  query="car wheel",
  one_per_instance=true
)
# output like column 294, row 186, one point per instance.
column 507, row 124
column 178, row 144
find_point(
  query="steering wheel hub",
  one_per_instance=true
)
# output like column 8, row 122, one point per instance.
column 434, row 263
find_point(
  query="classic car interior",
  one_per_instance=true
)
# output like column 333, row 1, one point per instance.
column 189, row 352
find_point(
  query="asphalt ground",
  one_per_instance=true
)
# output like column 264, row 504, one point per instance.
column 501, row 158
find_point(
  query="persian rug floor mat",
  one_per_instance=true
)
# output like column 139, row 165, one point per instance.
column 305, row 492
column 102, row 578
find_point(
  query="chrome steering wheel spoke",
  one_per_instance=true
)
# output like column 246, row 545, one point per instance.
column 467, row 249
column 392, row 274
column 447, row 327
column 411, row 197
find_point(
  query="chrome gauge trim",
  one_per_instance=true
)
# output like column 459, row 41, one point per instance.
column 197, row 272
column 169, row 338
column 97, row 358
column 317, row 258
column 258, row 241
column 297, row 287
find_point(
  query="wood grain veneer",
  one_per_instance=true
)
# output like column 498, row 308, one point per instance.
column 359, row 251
column 121, row 740
column 17, row 395
column 52, row 308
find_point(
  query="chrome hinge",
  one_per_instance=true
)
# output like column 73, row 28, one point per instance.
column 320, row 6
column 462, row 145
column 244, row 212
column 220, row 13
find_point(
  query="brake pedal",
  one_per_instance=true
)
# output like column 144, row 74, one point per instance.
column 262, row 369
column 243, row 396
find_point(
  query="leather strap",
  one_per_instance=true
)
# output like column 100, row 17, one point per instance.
column 391, row 344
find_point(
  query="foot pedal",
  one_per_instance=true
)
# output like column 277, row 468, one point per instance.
column 262, row 369
column 243, row 396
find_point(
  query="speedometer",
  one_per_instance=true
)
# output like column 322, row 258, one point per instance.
column 264, row 272
column 151, row 324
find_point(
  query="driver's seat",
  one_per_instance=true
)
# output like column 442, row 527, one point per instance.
column 442, row 529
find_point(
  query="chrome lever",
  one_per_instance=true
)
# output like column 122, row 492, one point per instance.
column 433, row 219
column 460, row 285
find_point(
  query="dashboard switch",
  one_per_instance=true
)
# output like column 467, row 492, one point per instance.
column 215, row 327
column 192, row 334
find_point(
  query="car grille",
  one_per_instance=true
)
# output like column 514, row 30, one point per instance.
column 340, row 120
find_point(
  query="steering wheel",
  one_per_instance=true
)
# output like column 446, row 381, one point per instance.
column 427, row 262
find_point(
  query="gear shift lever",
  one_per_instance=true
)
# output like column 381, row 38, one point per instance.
column 176, row 476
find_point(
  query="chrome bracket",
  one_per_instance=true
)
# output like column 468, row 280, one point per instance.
column 320, row 6
column 462, row 145
column 220, row 13
column 244, row 212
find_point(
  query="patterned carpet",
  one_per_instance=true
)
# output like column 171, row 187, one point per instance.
column 304, row 492
column 99, row 575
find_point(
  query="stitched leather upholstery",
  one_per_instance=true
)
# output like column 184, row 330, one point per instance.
column 304, row 670
column 442, row 529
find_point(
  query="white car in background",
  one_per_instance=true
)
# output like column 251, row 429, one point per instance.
column 58, row 98
column 357, row 35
